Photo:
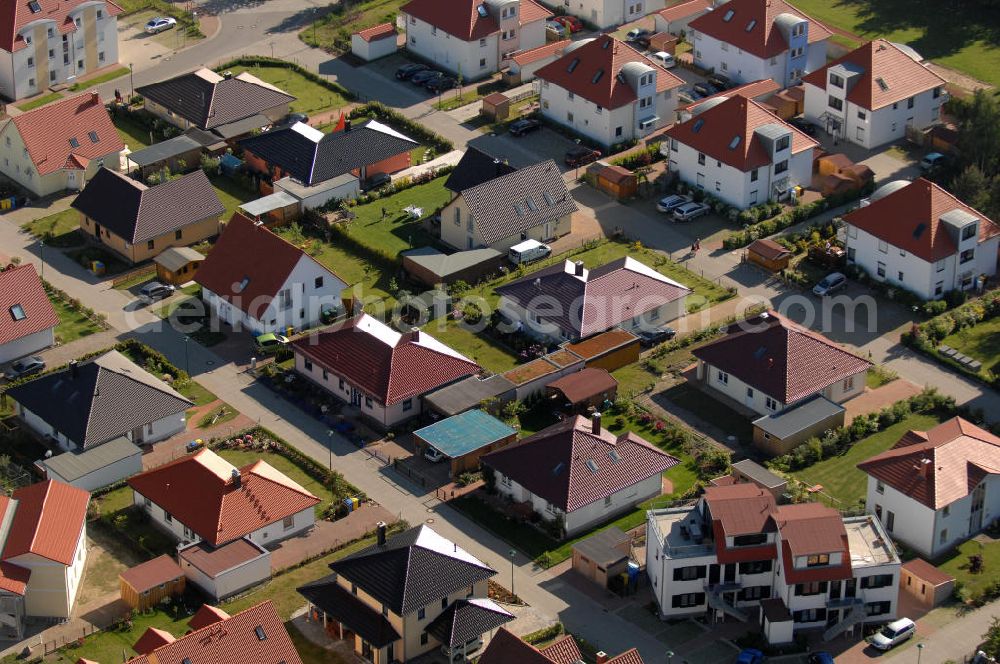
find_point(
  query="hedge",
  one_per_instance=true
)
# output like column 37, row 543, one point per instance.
column 265, row 61
column 633, row 160
column 376, row 110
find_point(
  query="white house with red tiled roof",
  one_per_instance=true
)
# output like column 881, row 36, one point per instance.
column 27, row 318
column 609, row 13
column 935, row 489
column 871, row 95
column 747, row 40
column 738, row 151
column 604, row 89
column 60, row 146
column 919, row 237
column 474, row 38
column 524, row 64
column 804, row 565
column 50, row 42
column 375, row 42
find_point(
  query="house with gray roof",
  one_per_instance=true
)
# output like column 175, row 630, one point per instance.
column 530, row 203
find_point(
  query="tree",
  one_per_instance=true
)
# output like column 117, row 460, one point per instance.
column 991, row 639
column 972, row 187
column 979, row 132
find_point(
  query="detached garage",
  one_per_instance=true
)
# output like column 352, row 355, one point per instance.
column 227, row 570
column 375, row 42
column 95, row 467
column 464, row 438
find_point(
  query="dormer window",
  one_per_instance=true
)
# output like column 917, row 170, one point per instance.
column 818, row 559
column 968, row 232
column 783, row 143
column 798, row 30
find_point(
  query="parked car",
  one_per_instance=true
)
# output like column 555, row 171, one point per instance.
column 705, row 89
column 820, row 658
column 292, row 118
column 932, row 161
column 664, row 59
column 433, row 455
column 528, row 251
column 523, row 126
column 441, row 83
column 159, row 24
column 689, row 211
column 26, row 366
column 803, row 125
column 424, row 75
column 571, row 23
column 657, row 335
column 407, row 71
column 893, row 634
column 672, row 202
column 377, row 181
column 692, row 93
column 750, row 656
column 270, row 342
column 830, row 284
column 720, row 82
column 154, row 291
column 636, row 33
column 581, row 156
column 555, row 30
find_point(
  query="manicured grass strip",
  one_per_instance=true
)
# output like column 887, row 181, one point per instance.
column 97, row 80
column 57, row 230
column 73, row 324
column 956, row 563
column 980, row 341
column 135, row 136
column 39, row 101
column 310, row 96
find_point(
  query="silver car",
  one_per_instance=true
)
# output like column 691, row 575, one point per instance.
column 154, row 291
column 671, row 202
column 689, row 211
column 830, row 284
column 26, row 366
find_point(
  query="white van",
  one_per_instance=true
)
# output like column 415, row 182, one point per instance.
column 528, row 251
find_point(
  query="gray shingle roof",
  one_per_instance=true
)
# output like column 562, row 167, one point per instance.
column 466, row 619
column 338, row 603
column 72, row 466
column 474, row 168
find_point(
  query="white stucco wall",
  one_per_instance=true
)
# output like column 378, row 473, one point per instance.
column 230, row 582
column 114, row 472
column 608, row 13
column 372, row 50
column 32, row 343
column 742, row 67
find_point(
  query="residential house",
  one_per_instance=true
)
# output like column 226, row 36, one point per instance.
column 872, row 95
column 606, row 14
column 375, row 42
column 608, row 92
column 474, row 38
column 381, row 372
column 290, row 289
column 325, row 166
column 138, row 222
column 760, row 91
column 576, row 474
column 740, row 152
column 803, row 564
column 918, row 236
column 567, row 301
column 675, row 19
column 405, row 596
column 61, row 145
column 226, row 105
column 91, row 403
column 44, row 43
column 505, row 647
column 935, row 489
column 44, row 540
column 27, row 317
column 256, row 634
column 496, row 206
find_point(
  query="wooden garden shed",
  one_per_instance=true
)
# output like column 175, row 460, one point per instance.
column 496, row 106
column 145, row 585
column 617, row 181
column 769, row 255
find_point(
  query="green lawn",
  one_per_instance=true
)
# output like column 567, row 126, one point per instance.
column 966, row 41
column 135, row 136
column 240, row 458
column 956, row 563
column 309, row 652
column 218, row 416
column 72, row 324
column 710, row 411
column 231, row 193
column 58, row 230
column 194, row 391
column 478, row 347
column 398, row 231
column 338, row 24
column 839, row 475
column 980, row 341
column 42, row 100
column 97, row 80
column 310, row 96
column 634, row 378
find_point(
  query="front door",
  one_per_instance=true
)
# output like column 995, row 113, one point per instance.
column 71, row 180
column 355, row 396
column 97, row 232
column 749, row 398
column 713, row 575
column 976, row 517
column 832, row 617
column 549, row 230
column 366, row 651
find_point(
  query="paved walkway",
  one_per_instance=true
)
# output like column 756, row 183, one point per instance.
column 328, row 535
column 874, row 400
column 59, row 355
column 176, row 446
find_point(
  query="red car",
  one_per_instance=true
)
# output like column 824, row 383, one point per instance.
column 581, row 156
column 571, row 23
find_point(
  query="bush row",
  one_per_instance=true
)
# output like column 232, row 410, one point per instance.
column 633, row 160
column 376, row 110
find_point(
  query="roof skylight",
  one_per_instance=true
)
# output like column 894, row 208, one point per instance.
column 17, row 312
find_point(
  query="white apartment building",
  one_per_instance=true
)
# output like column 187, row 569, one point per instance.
column 874, row 93
column 918, row 236
column 609, row 13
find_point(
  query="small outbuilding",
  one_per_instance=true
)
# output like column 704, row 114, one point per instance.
column 375, row 42
column 94, row 467
column 277, row 209
column 925, row 582
column 617, row 181
column 464, row 438
column 147, row 584
column 783, row 431
column 179, row 154
column 224, row 571
column 590, row 387
column 776, row 621
column 769, row 255
column 749, row 470
column 177, row 265
column 496, row 107
column 432, row 266
column 602, row 556
column 609, row 350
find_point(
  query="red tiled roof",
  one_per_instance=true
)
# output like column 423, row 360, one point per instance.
column 199, row 491
column 377, row 32
column 584, row 384
column 752, row 90
column 558, row 463
column 14, row 578
column 910, row 219
column 880, row 59
column 47, row 132
column 741, row 509
column 780, row 358
column 763, row 39
column 152, row 573
column 16, row 14
column 940, row 466
column 462, row 19
column 388, row 365
column 595, row 76
column 152, row 639
column 505, row 648
column 207, row 615
column 20, row 285
column 923, row 570
column 535, row 54
column 685, row 9
column 628, row 657
column 49, row 520
column 563, row 650
column 811, row 528
column 712, row 131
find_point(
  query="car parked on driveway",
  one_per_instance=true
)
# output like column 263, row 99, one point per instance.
column 441, row 83
column 830, row 284
column 689, row 211
column 706, row 89
column 664, row 59
column 154, row 291
column 657, row 335
column 803, row 125
column 523, row 126
column 424, row 75
column 893, row 634
column 670, row 203
column 433, row 455
column 750, row 656
column 407, row 71
column 581, row 156
column 932, row 161
column 26, row 366
column 635, row 34
column 571, row 23
column 159, row 24
column 720, row 82
column 822, row 657
column 270, row 342
column 555, row 30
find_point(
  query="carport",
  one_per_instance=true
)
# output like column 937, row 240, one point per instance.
column 464, row 438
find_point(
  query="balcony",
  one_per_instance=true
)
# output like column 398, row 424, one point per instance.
column 682, row 532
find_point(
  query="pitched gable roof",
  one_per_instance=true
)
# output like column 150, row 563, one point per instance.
column 752, row 26
column 755, row 90
column 467, row 619
column 780, row 358
column 939, row 466
column 909, row 218
column 152, row 639
column 505, row 648
column 49, row 132
column 149, row 574
column 49, row 518
column 377, row 32
column 595, row 76
column 207, row 615
column 138, row 213
column 462, row 18
column 202, row 492
column 388, row 365
column 24, row 306
column 474, row 168
column 880, row 60
column 15, row 15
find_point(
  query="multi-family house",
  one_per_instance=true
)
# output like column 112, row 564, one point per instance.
column 281, row 287
column 747, row 40
column 872, row 95
column 607, row 91
column 606, row 14
column 474, row 38
column 675, row 19
column 30, row 321
column 934, row 489
column 738, row 151
column 52, row 42
column 804, row 566
column 920, row 237
column 505, row 648
column 405, row 596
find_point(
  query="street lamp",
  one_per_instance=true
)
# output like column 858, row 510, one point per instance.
column 329, row 445
column 187, row 361
column 512, row 553
column 314, row 25
column 41, row 253
column 920, row 650
column 131, row 84
column 670, row 657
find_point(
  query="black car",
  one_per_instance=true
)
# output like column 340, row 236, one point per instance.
column 424, row 75
column 803, row 125
column 292, row 118
column 440, row 83
column 720, row 82
column 581, row 156
column 524, row 126
column 407, row 71
column 657, row 335
column 705, row 89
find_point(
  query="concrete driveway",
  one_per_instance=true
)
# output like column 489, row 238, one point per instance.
column 887, row 162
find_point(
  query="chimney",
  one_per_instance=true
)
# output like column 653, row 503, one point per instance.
column 415, row 335
column 578, row 268
column 595, row 424
column 380, row 533
column 602, row 657
column 94, row 97
column 496, row 167
column 237, row 478
column 925, row 467
column 74, row 368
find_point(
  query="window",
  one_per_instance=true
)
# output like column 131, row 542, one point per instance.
column 811, row 588
column 783, row 143
column 890, row 520
column 285, row 299
column 408, row 405
column 755, row 592
column 799, row 29
column 149, row 244
column 288, row 522
column 326, row 375
column 835, row 103
column 687, row 599
column 509, row 34
column 168, row 517
column 598, row 109
column 770, row 403
column 421, row 613
column 969, row 232
column 482, row 63
column 883, row 246
column 100, row 56
column 966, row 255
column 17, row 312
column 724, row 46
column 52, row 53
column 939, row 288
column 877, row 608
column 569, row 116
column 31, row 84
column 701, row 158
column 100, row 13
column 718, row 186
column 862, row 116
column 818, row 559
column 877, row 581
column 52, row 76
column 689, row 573
column 836, row 80
column 307, row 363
column 570, row 96
column 505, row 480
column 723, row 377
column 899, row 275
column 645, row 102
column 946, row 510
column 848, row 384
column 725, row 66
column 368, row 402
column 755, row 539
column 781, row 167
column 880, row 269
column 756, row 567
column 423, row 638
column 340, row 383
column 943, row 537
column 879, row 487
column 618, row 131
column 146, row 502
column 482, row 43
column 809, row 615
column 354, row 589
column 797, row 52
column 937, row 92
column 31, row 62
column 909, row 102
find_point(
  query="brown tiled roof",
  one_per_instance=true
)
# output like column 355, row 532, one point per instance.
column 685, row 9
column 17, row 14
column 523, row 58
column 207, row 615
column 595, row 76
column 628, row 657
column 213, row 561
column 768, row 249
column 563, row 650
column 752, row 26
column 377, row 32
column 569, row 466
column 505, row 648
column 49, row 521
column 780, row 358
column 940, row 466
column 910, row 219
column 20, row 285
column 388, row 365
column 922, row 569
column 741, row 509
column 462, row 19
column 152, row 573
column 152, row 639
column 811, row 528
column 880, row 59
column 753, row 90
column 735, row 122
column 584, row 384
